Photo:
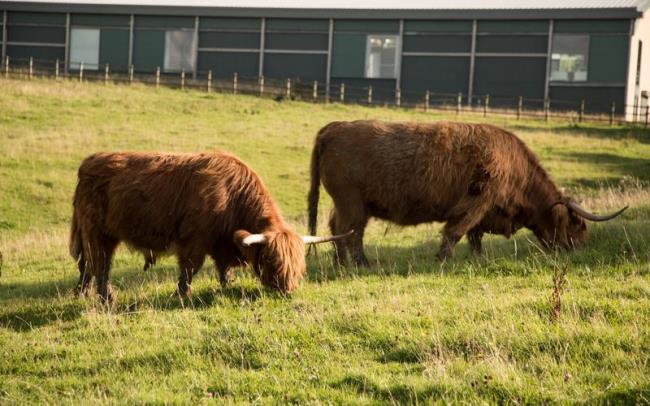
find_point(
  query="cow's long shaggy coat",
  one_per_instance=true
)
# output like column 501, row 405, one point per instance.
column 192, row 205
column 410, row 173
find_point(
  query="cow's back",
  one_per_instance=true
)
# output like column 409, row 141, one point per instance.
column 152, row 201
column 412, row 172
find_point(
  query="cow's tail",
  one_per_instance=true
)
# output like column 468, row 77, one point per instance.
column 314, row 188
column 76, row 243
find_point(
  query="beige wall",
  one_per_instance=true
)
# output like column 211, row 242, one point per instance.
column 641, row 33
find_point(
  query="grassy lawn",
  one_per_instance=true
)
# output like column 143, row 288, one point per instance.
column 406, row 330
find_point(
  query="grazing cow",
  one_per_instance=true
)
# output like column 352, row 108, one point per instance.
column 475, row 177
column 193, row 205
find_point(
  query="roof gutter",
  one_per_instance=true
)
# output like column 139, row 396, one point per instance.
column 415, row 14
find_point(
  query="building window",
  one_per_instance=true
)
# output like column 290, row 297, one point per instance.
column 569, row 58
column 179, row 51
column 381, row 56
column 84, row 47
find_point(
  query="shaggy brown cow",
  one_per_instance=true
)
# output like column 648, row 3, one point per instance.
column 474, row 177
column 193, row 205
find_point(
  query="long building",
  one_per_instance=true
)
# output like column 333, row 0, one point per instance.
column 567, row 52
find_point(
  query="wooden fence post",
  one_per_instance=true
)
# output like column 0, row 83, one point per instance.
column 314, row 93
column 56, row 68
column 547, row 107
column 157, row 77
column 398, row 97
column 581, row 113
column 459, row 102
column 106, row 72
column 426, row 101
column 261, row 85
column 611, row 113
column 369, row 94
column 31, row 67
column 289, row 89
column 210, row 81
column 342, row 93
column 647, row 112
column 182, row 79
column 235, row 83
column 7, row 66
column 81, row 72
column 486, row 103
column 520, row 107
column 131, row 70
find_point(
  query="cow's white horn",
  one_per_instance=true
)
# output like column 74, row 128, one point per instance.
column 254, row 239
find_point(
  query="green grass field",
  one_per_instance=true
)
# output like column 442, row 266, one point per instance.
column 406, row 330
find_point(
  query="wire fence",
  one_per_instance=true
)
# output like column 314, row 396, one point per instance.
column 314, row 91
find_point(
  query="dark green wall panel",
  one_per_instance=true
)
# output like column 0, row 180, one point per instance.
column 585, row 26
column 20, row 55
column 499, row 76
column 50, row 35
column 100, row 20
column 35, row 18
column 349, row 55
column 225, row 64
column 512, row 43
column 608, row 58
column 597, row 99
column 442, row 26
column 435, row 73
column 369, row 26
column 241, row 40
column 503, row 26
column 282, row 24
column 114, row 49
column 164, row 22
column 437, row 43
column 295, row 66
column 252, row 24
column 148, row 50
column 300, row 42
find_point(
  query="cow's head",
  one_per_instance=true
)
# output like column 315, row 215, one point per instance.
column 278, row 257
column 564, row 225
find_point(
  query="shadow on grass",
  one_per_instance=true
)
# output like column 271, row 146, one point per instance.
column 404, row 394
column 613, row 133
column 616, row 165
column 614, row 244
column 39, row 315
column 635, row 396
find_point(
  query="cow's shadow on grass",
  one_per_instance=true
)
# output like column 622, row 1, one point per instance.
column 625, row 242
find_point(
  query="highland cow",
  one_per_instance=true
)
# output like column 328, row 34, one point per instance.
column 474, row 177
column 191, row 205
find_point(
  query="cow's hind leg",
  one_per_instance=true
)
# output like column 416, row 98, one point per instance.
column 189, row 263
column 340, row 255
column 85, row 276
column 350, row 214
column 99, row 250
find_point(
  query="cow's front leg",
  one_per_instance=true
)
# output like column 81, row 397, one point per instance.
column 474, row 236
column 189, row 265
column 456, row 228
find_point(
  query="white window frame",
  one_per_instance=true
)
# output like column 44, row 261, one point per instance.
column 192, row 59
column 367, row 61
column 581, row 80
column 91, row 62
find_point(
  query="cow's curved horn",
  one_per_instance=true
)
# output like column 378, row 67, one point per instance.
column 254, row 239
column 594, row 217
column 310, row 239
